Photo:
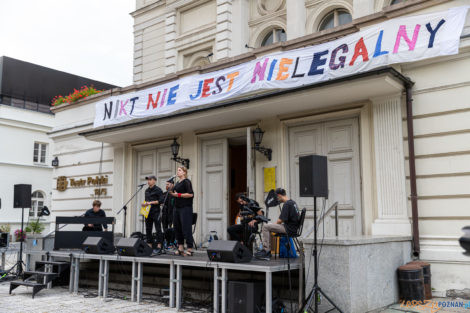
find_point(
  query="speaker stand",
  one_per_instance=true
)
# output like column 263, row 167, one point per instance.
column 316, row 290
column 19, row 263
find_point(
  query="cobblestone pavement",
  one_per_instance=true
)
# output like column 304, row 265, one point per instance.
column 58, row 300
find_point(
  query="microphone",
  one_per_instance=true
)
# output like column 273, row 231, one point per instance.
column 141, row 185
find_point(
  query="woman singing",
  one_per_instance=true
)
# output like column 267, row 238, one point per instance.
column 183, row 214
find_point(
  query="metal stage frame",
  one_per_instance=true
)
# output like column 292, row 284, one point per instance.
column 176, row 264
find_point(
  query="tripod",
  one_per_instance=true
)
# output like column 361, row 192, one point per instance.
column 19, row 264
column 316, row 290
column 125, row 207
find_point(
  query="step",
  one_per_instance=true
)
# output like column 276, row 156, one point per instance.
column 36, row 286
column 40, row 273
column 26, row 283
column 53, row 262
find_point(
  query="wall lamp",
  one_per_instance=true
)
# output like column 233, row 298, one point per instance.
column 258, row 136
column 175, row 147
column 55, row 162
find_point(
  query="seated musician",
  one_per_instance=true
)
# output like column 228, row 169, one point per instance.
column 287, row 223
column 236, row 231
column 96, row 211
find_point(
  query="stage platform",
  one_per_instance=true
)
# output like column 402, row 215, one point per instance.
column 175, row 264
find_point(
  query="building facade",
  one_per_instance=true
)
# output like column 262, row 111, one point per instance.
column 26, row 93
column 359, row 123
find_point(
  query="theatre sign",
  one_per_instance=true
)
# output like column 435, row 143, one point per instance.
column 395, row 41
column 63, row 182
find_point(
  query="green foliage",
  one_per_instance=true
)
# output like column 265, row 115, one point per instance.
column 35, row 227
column 5, row 228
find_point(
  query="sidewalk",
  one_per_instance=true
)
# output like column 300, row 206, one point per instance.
column 58, row 300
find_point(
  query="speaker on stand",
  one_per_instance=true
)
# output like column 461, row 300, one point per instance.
column 313, row 182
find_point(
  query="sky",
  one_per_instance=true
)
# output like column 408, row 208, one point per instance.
column 90, row 38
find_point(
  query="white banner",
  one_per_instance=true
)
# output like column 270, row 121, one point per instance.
column 400, row 40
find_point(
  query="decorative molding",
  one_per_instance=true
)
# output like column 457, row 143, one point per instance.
column 389, row 156
column 261, row 6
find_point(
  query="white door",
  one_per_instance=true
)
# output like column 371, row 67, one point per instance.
column 156, row 162
column 214, row 189
column 339, row 141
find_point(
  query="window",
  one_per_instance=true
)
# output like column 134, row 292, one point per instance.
column 335, row 18
column 275, row 35
column 37, row 203
column 39, row 153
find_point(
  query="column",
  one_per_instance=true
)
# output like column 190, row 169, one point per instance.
column 392, row 213
column 170, row 37
column 240, row 18
column 296, row 17
column 223, row 36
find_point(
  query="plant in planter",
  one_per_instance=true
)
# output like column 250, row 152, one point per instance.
column 5, row 228
column 76, row 95
column 20, row 235
column 35, row 227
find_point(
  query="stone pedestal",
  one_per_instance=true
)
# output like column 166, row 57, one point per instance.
column 359, row 274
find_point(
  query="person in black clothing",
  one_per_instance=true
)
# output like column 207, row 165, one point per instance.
column 236, row 231
column 183, row 216
column 288, row 223
column 153, row 196
column 167, row 213
column 95, row 211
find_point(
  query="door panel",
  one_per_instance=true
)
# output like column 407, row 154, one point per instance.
column 156, row 162
column 214, row 187
column 339, row 141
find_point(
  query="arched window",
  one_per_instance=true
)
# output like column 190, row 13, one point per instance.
column 396, row 1
column 335, row 18
column 275, row 35
column 200, row 62
column 37, row 203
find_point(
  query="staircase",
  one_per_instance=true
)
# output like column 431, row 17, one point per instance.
column 45, row 273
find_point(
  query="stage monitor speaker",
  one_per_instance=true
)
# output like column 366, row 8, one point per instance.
column 228, row 251
column 97, row 245
column 313, row 176
column 133, row 247
column 245, row 297
column 22, row 196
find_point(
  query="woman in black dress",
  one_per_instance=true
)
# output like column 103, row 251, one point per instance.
column 183, row 214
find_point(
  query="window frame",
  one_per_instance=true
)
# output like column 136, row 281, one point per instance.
column 335, row 13
column 40, row 153
column 273, row 32
column 35, row 203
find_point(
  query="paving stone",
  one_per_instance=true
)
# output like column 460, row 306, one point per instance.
column 58, row 300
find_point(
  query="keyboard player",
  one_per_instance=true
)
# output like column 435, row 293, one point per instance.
column 95, row 211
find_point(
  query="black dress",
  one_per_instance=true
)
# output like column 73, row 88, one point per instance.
column 183, row 216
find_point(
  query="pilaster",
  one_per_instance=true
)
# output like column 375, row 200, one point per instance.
column 392, row 213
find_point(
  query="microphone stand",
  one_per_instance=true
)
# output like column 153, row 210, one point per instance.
column 125, row 208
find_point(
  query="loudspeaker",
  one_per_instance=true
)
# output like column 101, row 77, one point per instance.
column 245, row 297
column 22, row 196
column 313, row 176
column 228, row 251
column 4, row 240
column 133, row 247
column 97, row 245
